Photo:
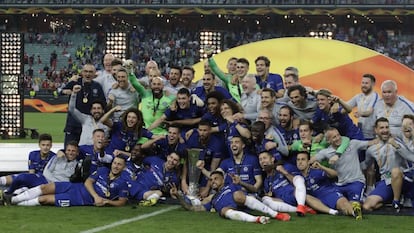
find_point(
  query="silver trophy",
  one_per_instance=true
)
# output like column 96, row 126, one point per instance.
column 193, row 172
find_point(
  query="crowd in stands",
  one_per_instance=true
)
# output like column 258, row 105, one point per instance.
column 51, row 59
column 259, row 140
column 180, row 47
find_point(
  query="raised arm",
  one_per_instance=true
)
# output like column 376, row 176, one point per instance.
column 150, row 143
column 252, row 188
column 200, row 165
column 243, row 131
column 78, row 115
column 402, row 150
column 134, row 82
column 344, row 104
column 218, row 72
column 283, row 171
column 329, row 171
column 344, row 144
column 105, row 119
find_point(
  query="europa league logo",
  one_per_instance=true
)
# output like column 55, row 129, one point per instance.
column 193, row 171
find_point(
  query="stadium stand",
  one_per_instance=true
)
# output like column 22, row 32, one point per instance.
column 179, row 47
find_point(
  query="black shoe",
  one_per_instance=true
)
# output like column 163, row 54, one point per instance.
column 5, row 198
column 397, row 206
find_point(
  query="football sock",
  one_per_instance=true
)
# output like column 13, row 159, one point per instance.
column 300, row 189
column 28, row 195
column 20, row 190
column 255, row 204
column 239, row 216
column 333, row 212
column 278, row 206
column 32, row 202
column 154, row 195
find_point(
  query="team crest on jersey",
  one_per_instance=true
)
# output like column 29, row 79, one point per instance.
column 112, row 185
column 312, row 181
column 95, row 91
column 245, row 169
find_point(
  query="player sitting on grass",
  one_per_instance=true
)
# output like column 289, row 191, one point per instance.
column 318, row 184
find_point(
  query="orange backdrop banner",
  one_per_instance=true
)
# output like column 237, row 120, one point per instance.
column 330, row 64
column 335, row 65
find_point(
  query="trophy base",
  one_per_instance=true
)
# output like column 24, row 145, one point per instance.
column 193, row 190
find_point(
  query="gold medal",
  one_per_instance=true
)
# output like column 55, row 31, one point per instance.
column 107, row 193
column 127, row 148
column 85, row 100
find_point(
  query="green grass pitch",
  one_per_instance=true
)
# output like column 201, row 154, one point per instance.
column 80, row 219
column 52, row 123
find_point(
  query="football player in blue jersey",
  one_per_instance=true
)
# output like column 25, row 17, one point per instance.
column 104, row 187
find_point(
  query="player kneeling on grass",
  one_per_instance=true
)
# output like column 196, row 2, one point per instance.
column 227, row 202
column 103, row 188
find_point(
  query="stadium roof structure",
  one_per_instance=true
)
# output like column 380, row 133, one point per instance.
column 214, row 10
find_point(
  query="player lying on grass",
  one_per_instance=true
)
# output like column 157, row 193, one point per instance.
column 227, row 202
column 103, row 187
column 59, row 168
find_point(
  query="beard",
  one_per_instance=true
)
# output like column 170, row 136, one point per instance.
column 366, row 90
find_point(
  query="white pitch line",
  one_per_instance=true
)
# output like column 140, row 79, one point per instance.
column 125, row 221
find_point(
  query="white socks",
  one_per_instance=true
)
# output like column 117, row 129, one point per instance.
column 20, row 190
column 278, row 206
column 300, row 189
column 239, row 216
column 32, row 202
column 3, row 180
column 333, row 212
column 28, row 195
column 154, row 195
column 255, row 204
